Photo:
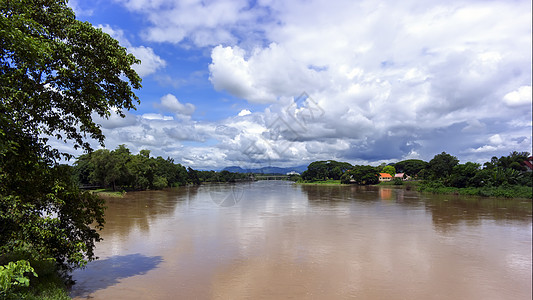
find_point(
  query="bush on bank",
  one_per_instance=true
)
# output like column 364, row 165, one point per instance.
column 504, row 191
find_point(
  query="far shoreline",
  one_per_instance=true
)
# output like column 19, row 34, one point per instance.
column 509, row 192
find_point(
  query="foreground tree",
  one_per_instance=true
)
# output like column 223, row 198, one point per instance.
column 55, row 73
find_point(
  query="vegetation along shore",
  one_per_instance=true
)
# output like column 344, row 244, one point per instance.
column 508, row 176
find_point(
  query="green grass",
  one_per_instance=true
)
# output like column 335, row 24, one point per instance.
column 46, row 289
column 514, row 191
column 323, row 182
column 108, row 193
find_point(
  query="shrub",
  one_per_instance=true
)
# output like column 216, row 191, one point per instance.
column 13, row 275
column 398, row 181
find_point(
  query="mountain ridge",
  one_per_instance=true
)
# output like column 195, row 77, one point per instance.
column 266, row 170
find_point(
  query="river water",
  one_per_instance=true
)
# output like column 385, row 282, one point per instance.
column 276, row 240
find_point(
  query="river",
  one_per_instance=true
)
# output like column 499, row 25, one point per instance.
column 277, row 240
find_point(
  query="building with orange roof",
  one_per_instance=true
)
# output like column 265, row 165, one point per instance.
column 385, row 177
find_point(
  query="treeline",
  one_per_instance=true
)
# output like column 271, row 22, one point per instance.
column 443, row 170
column 506, row 176
column 120, row 169
column 506, row 170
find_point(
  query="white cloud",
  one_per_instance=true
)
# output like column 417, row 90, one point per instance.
column 386, row 71
column 495, row 139
column 171, row 104
column 150, row 62
column 78, row 10
column 501, row 145
column 203, row 23
column 393, row 79
column 151, row 116
column 244, row 112
column 264, row 76
column 520, row 97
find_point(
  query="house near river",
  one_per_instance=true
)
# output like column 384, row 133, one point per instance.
column 385, row 177
column 389, row 177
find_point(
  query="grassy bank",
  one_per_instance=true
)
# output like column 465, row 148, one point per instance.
column 403, row 183
column 324, row 182
column 45, row 289
column 108, row 193
column 510, row 191
column 514, row 191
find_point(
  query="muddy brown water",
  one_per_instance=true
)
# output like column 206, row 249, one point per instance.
column 276, row 240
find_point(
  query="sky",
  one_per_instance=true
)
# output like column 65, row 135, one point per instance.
column 284, row 83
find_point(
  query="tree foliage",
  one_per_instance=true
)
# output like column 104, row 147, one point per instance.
column 121, row 169
column 504, row 171
column 441, row 166
column 56, row 73
column 362, row 175
column 324, row 170
column 14, row 275
column 389, row 170
column 513, row 161
column 443, row 170
column 410, row 167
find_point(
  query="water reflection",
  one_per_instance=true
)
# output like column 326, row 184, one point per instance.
column 447, row 211
column 137, row 210
column 328, row 195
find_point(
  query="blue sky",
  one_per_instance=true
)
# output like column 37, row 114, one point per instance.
column 285, row 83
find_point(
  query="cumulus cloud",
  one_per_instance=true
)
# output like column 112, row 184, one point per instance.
column 520, row 97
column 164, row 135
column 201, row 23
column 244, row 112
column 170, row 103
column 151, row 116
column 264, row 76
column 150, row 62
column 115, row 120
column 388, row 80
column 386, row 72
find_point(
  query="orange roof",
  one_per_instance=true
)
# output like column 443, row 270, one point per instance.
column 385, row 175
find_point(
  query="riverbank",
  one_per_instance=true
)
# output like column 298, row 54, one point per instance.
column 325, row 182
column 108, row 193
column 510, row 191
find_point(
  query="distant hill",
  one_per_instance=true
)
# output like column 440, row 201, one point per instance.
column 267, row 170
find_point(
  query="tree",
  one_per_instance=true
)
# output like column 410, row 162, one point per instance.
column 362, row 175
column 55, row 73
column 389, row 170
column 193, row 176
column 464, row 175
column 410, row 167
column 441, row 166
column 323, row 170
